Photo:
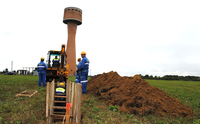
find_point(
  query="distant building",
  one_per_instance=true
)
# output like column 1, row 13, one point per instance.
column 22, row 72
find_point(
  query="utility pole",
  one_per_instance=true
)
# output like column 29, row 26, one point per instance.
column 11, row 66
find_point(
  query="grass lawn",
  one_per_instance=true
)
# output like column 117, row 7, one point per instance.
column 25, row 110
column 22, row 109
column 188, row 92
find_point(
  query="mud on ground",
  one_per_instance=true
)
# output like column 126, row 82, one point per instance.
column 135, row 96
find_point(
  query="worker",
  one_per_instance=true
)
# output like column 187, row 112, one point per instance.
column 55, row 61
column 41, row 68
column 84, row 66
column 60, row 90
column 77, row 71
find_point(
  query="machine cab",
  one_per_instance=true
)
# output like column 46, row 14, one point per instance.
column 53, row 58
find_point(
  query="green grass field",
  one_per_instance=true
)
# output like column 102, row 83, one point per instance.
column 188, row 92
column 25, row 110
column 22, row 109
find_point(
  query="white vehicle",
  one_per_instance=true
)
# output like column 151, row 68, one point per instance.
column 35, row 72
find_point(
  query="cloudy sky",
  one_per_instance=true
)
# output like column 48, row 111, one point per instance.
column 155, row 37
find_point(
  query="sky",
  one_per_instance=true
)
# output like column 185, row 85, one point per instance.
column 154, row 37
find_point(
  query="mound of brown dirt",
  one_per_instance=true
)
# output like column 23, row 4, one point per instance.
column 134, row 95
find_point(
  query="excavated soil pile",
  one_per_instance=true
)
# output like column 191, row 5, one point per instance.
column 134, row 95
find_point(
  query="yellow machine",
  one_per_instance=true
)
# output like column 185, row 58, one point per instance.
column 59, row 70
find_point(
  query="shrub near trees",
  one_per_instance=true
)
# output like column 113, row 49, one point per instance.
column 171, row 77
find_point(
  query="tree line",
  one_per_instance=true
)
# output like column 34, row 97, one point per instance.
column 171, row 77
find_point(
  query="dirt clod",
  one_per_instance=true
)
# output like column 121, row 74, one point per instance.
column 134, row 95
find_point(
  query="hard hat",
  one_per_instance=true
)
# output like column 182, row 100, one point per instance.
column 42, row 58
column 83, row 52
column 61, row 84
column 78, row 58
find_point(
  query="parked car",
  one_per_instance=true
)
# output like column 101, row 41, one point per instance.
column 10, row 73
column 35, row 72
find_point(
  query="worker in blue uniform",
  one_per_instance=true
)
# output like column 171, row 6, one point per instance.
column 77, row 71
column 60, row 90
column 41, row 68
column 84, row 66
